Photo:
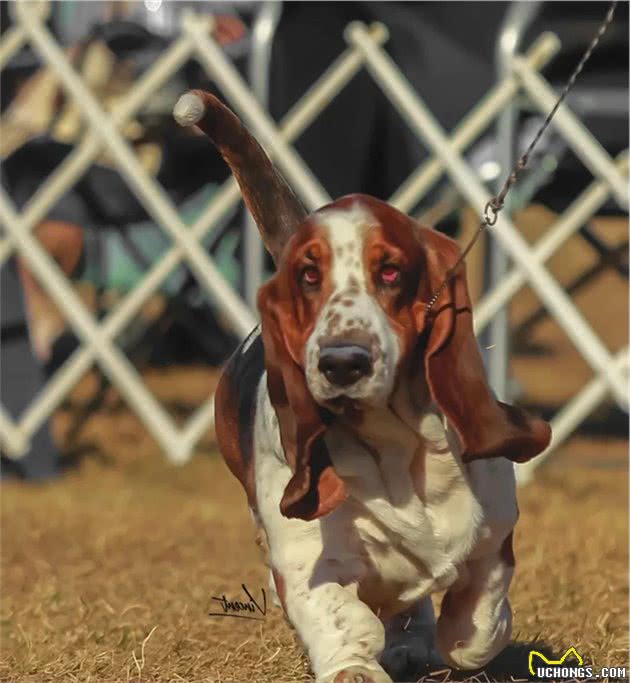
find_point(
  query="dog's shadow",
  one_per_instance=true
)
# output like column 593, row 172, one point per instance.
column 510, row 665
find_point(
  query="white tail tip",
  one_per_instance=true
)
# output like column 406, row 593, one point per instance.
column 189, row 109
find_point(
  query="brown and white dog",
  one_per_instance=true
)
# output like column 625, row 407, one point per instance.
column 372, row 452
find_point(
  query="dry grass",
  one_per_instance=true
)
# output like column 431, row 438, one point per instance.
column 108, row 573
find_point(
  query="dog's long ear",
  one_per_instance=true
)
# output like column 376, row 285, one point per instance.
column 314, row 489
column 455, row 372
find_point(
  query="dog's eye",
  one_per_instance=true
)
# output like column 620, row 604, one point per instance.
column 310, row 277
column 390, row 275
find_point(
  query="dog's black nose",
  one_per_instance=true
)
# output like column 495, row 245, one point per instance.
column 344, row 364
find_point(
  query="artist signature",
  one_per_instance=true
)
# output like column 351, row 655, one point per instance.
column 242, row 609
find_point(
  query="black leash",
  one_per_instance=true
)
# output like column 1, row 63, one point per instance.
column 494, row 206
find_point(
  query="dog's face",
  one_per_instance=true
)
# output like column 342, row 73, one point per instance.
column 358, row 273
column 349, row 283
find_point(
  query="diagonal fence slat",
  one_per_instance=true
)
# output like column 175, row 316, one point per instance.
column 12, row 436
column 152, row 197
column 15, row 37
column 573, row 218
column 480, row 117
column 78, row 160
column 573, row 414
column 114, row 362
column 130, row 385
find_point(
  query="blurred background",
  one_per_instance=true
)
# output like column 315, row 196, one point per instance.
column 99, row 437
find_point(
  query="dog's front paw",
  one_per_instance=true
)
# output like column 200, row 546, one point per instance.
column 357, row 674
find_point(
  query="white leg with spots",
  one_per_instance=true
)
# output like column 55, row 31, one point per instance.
column 340, row 633
column 475, row 623
column 315, row 580
column 337, row 629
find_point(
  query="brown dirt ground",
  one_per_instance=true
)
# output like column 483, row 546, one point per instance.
column 108, row 573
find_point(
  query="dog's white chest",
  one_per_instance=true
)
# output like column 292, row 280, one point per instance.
column 412, row 507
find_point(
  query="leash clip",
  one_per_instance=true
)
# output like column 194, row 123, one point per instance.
column 491, row 211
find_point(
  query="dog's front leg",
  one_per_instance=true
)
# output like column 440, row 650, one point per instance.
column 342, row 636
column 475, row 622
column 316, row 584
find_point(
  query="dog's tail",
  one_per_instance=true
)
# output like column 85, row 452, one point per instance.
column 275, row 208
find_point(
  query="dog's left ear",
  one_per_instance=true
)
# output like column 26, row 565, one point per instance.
column 455, row 373
column 315, row 489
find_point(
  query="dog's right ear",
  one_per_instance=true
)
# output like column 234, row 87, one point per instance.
column 271, row 202
column 315, row 489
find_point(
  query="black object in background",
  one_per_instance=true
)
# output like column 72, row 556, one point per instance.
column 21, row 378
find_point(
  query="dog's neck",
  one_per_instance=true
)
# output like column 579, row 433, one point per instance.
column 409, row 420
column 416, row 453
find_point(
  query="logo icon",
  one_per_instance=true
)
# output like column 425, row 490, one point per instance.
column 552, row 662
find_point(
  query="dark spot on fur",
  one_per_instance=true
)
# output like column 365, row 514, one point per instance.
column 333, row 321
column 353, row 285
column 335, row 299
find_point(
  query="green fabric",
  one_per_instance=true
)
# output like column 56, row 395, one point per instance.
column 122, row 273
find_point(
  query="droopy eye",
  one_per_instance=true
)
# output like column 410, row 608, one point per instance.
column 310, row 276
column 390, row 275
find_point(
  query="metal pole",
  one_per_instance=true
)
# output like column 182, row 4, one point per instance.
column 259, row 64
column 518, row 17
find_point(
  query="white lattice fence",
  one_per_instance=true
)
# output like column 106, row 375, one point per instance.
column 364, row 50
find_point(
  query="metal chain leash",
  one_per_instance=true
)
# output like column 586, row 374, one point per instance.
column 494, row 205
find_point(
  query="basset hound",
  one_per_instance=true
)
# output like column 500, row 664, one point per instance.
column 376, row 461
